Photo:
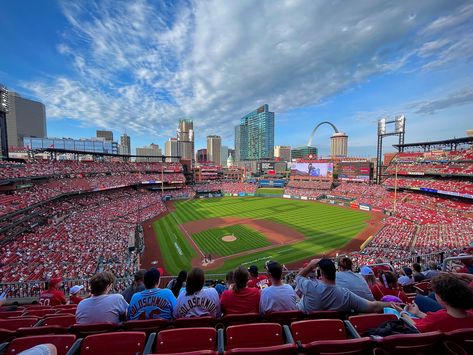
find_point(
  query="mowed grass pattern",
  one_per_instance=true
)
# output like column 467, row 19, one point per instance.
column 210, row 241
column 270, row 191
column 326, row 228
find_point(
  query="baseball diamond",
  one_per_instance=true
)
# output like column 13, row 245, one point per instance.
column 265, row 228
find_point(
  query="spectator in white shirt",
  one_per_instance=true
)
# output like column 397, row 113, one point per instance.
column 278, row 296
column 197, row 301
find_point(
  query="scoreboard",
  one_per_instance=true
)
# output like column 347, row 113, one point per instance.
column 355, row 171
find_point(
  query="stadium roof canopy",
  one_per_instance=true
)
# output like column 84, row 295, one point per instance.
column 453, row 144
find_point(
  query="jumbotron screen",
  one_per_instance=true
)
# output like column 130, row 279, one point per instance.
column 312, row 169
column 356, row 171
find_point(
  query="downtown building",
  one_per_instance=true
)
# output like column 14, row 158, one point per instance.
column 25, row 118
column 151, row 154
column 254, row 136
column 185, row 140
column 125, row 145
column 214, row 145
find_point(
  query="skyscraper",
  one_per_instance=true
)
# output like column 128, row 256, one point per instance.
column 214, row 143
column 171, row 149
column 125, row 144
column 25, row 118
column 339, row 145
column 223, row 155
column 237, row 144
column 256, row 135
column 185, row 139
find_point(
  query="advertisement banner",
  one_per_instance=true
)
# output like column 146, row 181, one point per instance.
column 286, row 196
column 303, row 197
column 365, row 208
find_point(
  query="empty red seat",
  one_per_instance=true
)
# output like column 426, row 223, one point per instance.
column 66, row 311
column 254, row 335
column 364, row 322
column 408, row 344
column 423, row 287
column 65, row 306
column 83, row 330
column 244, row 318
column 37, row 306
column 462, row 337
column 63, row 343
column 358, row 346
column 6, row 335
column 50, row 329
column 147, row 325
column 195, row 322
column 39, row 312
column 284, row 317
column 186, row 339
column 307, row 331
column 326, row 315
column 14, row 324
column 119, row 343
column 61, row 320
column 8, row 314
column 284, row 349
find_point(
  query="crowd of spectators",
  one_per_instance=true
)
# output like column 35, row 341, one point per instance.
column 312, row 184
column 38, row 168
column 84, row 234
column 461, row 186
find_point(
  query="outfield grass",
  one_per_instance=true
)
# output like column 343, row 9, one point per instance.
column 210, row 241
column 326, row 228
column 270, row 191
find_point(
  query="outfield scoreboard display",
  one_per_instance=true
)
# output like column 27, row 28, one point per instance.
column 354, row 171
column 265, row 166
column 312, row 169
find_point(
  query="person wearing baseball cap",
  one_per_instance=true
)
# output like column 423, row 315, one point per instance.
column 257, row 280
column 53, row 296
column 74, row 292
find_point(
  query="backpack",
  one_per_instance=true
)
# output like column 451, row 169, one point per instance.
column 392, row 327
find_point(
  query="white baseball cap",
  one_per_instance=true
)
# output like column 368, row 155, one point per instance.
column 75, row 289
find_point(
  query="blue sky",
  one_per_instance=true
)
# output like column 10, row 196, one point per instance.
column 139, row 66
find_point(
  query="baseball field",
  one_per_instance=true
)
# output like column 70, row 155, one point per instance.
column 222, row 233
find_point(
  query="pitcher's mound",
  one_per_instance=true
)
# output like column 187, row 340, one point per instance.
column 229, row 238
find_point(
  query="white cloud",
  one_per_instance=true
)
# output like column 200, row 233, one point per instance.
column 142, row 66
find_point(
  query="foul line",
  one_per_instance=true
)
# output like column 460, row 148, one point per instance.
column 181, row 226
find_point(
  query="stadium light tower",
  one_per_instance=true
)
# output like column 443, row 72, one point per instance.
column 3, row 120
column 399, row 130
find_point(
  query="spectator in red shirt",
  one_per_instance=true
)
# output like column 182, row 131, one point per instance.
column 53, row 296
column 388, row 287
column 257, row 280
column 456, row 297
column 240, row 299
column 74, row 291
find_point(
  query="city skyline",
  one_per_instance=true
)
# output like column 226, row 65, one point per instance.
column 138, row 67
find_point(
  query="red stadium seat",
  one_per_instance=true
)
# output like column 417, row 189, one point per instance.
column 6, row 335
column 186, row 339
column 462, row 337
column 364, row 322
column 423, row 287
column 307, row 331
column 326, row 315
column 14, row 324
column 83, row 330
column 285, row 317
column 254, row 335
column 195, row 322
column 197, row 352
column 36, row 306
column 63, row 343
column 147, row 325
column 119, row 343
column 66, row 311
column 31, row 331
column 284, row 349
column 8, row 314
column 61, row 320
column 65, row 306
column 358, row 346
column 244, row 318
column 408, row 344
column 39, row 312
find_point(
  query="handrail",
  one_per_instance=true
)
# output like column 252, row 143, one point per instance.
column 452, row 258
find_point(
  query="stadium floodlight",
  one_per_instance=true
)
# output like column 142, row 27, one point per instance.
column 399, row 124
column 381, row 126
column 3, row 99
